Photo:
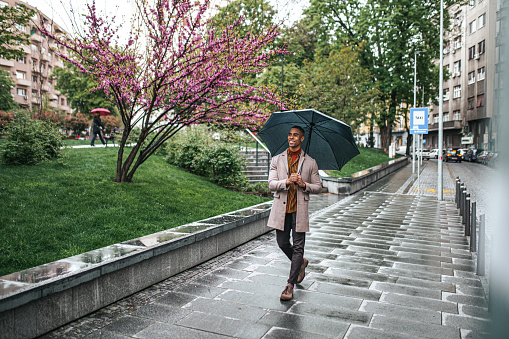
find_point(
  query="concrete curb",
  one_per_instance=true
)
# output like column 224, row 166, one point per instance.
column 359, row 180
column 31, row 305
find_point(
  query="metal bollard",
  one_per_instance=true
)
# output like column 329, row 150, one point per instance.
column 458, row 193
column 467, row 215
column 463, row 203
column 473, row 228
column 480, row 251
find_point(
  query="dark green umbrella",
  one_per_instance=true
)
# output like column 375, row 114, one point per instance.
column 329, row 141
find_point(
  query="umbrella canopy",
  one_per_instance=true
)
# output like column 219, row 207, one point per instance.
column 102, row 111
column 329, row 141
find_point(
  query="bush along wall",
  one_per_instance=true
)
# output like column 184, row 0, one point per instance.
column 30, row 141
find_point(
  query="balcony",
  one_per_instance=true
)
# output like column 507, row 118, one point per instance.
column 23, row 82
column 27, row 49
column 6, row 63
column 455, row 124
column 45, row 88
column 45, row 57
column 36, row 38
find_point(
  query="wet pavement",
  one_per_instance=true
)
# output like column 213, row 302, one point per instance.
column 383, row 263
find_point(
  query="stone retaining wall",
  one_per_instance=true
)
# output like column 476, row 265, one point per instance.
column 43, row 298
column 359, row 180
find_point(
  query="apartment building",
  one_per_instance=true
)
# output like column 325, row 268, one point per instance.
column 469, row 57
column 500, row 64
column 32, row 72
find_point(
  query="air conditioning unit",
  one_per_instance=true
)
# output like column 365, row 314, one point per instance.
column 476, row 57
column 25, row 97
column 14, row 73
column 454, row 51
column 454, row 75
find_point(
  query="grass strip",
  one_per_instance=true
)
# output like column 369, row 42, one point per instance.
column 66, row 207
column 368, row 158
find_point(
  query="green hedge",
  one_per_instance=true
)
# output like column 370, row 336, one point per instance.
column 31, row 141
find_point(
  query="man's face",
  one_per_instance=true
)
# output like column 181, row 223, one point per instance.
column 295, row 138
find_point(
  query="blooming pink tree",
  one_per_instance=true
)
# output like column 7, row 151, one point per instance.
column 175, row 70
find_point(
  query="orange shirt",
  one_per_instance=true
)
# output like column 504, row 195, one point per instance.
column 293, row 164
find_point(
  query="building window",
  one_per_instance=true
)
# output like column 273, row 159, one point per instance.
column 472, row 3
column 471, row 27
column 457, row 92
column 435, row 118
column 33, row 47
column 471, row 77
column 481, row 47
column 34, row 78
column 448, row 68
column 456, row 115
column 446, row 94
column 457, row 42
column 480, row 100
column 471, row 103
column 22, row 60
column 480, row 74
column 445, row 117
column 457, row 68
column 62, row 101
column 21, row 91
column 458, row 18
column 482, row 20
column 471, row 52
column 21, row 75
column 447, row 47
column 34, row 93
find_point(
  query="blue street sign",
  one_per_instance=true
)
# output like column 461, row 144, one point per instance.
column 419, row 120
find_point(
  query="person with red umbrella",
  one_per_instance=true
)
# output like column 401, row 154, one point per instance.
column 97, row 126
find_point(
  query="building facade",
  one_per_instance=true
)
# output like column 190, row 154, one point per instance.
column 469, row 93
column 32, row 73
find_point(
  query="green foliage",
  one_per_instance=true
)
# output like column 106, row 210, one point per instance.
column 6, row 118
column 368, row 158
column 291, row 80
column 390, row 33
column 10, row 18
column 258, row 188
column 339, row 86
column 109, row 122
column 79, row 89
column 63, row 208
column 6, row 84
column 31, row 141
column 78, row 123
column 302, row 41
column 198, row 153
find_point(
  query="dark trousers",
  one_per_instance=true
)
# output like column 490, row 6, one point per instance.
column 294, row 252
column 100, row 137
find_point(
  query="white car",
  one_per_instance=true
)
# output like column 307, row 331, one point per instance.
column 425, row 154
column 462, row 152
column 434, row 153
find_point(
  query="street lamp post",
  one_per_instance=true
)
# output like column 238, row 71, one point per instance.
column 440, row 164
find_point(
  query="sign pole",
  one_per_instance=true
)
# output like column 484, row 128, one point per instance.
column 418, row 127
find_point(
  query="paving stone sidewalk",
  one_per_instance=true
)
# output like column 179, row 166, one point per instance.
column 382, row 265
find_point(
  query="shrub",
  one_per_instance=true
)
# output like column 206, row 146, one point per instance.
column 6, row 119
column 110, row 122
column 195, row 151
column 31, row 141
column 77, row 123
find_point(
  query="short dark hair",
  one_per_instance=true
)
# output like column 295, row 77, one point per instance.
column 299, row 128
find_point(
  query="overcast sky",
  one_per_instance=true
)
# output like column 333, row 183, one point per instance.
column 58, row 10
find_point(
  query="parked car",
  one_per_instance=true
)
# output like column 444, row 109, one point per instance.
column 434, row 153
column 462, row 152
column 481, row 157
column 453, row 155
column 472, row 154
column 493, row 159
column 425, row 154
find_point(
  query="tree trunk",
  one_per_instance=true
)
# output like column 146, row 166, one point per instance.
column 386, row 136
column 409, row 140
column 124, row 171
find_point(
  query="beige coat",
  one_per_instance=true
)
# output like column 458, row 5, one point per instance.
column 277, row 184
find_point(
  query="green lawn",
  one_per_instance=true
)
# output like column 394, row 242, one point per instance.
column 368, row 158
column 75, row 142
column 66, row 207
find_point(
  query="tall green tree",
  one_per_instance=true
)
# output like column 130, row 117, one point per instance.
column 339, row 86
column 81, row 90
column 6, row 84
column 11, row 19
column 391, row 31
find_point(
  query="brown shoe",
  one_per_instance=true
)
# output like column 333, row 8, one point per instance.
column 302, row 272
column 287, row 293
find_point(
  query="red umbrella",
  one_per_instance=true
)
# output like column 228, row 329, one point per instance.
column 102, row 111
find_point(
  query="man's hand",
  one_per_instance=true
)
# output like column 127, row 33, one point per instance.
column 297, row 179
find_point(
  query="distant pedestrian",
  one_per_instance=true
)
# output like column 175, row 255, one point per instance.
column 97, row 128
column 293, row 176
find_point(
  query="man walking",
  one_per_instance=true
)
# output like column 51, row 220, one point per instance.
column 293, row 176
